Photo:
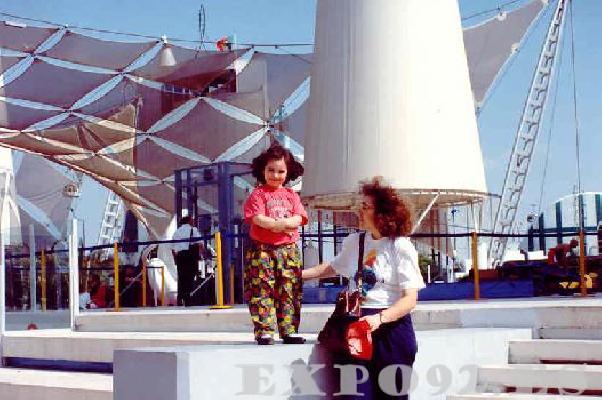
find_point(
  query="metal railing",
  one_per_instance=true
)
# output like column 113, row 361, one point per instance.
column 46, row 272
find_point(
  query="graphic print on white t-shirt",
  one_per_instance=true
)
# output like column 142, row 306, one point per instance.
column 390, row 266
column 368, row 273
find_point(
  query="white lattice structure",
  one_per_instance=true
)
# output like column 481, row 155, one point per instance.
column 112, row 220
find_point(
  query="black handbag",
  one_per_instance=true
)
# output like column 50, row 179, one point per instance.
column 347, row 310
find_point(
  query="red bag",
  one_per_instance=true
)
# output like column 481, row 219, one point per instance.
column 343, row 333
column 359, row 340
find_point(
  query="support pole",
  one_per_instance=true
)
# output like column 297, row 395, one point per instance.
column 231, row 284
column 582, row 268
column 424, row 213
column 73, row 275
column 43, row 278
column 320, row 242
column 2, row 289
column 226, row 208
column 32, row 270
column 475, row 265
column 162, row 285
column 144, row 279
column 116, row 274
column 220, row 273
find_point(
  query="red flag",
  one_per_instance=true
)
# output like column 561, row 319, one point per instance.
column 223, row 44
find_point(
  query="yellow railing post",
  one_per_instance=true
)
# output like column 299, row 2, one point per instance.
column 144, row 284
column 162, row 285
column 582, row 270
column 43, row 279
column 116, row 274
column 231, row 284
column 475, row 265
column 220, row 272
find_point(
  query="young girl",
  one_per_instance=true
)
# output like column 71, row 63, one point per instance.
column 273, row 284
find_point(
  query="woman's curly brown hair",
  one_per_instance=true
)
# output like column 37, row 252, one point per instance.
column 294, row 169
column 392, row 216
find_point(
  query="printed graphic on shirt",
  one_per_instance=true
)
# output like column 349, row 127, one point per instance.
column 370, row 258
column 278, row 208
column 368, row 273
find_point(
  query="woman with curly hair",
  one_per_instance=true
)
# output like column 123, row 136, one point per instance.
column 391, row 280
column 272, row 277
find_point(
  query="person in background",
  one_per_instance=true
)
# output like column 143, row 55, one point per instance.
column 98, row 292
column 186, row 256
column 562, row 252
column 272, row 275
column 391, row 280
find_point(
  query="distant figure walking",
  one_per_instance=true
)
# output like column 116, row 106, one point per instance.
column 186, row 256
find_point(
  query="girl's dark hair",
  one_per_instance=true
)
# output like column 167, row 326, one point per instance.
column 294, row 169
column 392, row 216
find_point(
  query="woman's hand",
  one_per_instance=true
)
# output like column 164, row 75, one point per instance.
column 372, row 320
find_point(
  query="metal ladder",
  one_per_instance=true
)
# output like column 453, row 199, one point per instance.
column 526, row 137
column 112, row 222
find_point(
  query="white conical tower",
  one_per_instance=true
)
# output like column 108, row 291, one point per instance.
column 390, row 96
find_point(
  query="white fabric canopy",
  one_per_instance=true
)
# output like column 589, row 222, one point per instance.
column 41, row 197
column 109, row 109
column 490, row 44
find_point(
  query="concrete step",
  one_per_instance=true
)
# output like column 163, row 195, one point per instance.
column 518, row 396
column 556, row 350
column 534, row 314
column 571, row 333
column 551, row 376
column 23, row 384
column 63, row 344
column 190, row 319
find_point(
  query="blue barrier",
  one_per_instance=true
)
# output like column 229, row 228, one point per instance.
column 439, row 291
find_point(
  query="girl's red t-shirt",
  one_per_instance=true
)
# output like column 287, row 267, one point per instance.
column 274, row 203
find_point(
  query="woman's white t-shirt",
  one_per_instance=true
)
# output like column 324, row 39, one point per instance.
column 390, row 266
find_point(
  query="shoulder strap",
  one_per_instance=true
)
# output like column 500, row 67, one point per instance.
column 190, row 238
column 360, row 261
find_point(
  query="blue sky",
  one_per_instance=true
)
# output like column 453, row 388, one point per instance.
column 293, row 21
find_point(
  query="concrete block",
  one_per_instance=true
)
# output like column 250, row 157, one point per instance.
column 567, row 351
column 211, row 372
column 251, row 372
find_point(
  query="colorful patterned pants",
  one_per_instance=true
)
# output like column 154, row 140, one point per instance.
column 273, row 288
